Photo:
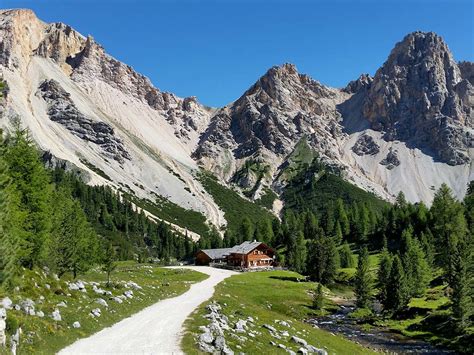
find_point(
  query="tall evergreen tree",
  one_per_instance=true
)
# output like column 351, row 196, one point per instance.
column 397, row 290
column 12, row 219
column 346, row 256
column 363, row 280
column 383, row 276
column 448, row 225
column 297, row 252
column 32, row 183
column 460, row 298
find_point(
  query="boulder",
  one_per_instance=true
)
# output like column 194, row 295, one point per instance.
column 240, row 326
column 96, row 312
column 76, row 325
column 206, row 348
column 117, row 299
column 102, row 302
column 61, row 304
column 299, row 341
column 40, row 314
column 56, row 315
column 134, row 285
column 6, row 303
column 302, row 351
column 3, row 336
column 219, row 342
column 206, row 338
column 269, row 327
column 28, row 306
column 128, row 294
column 73, row 287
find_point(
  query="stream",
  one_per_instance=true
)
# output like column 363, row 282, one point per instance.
column 375, row 338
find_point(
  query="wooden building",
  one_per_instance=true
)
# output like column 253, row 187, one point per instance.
column 247, row 255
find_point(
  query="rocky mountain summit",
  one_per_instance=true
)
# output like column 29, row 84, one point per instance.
column 420, row 96
column 408, row 128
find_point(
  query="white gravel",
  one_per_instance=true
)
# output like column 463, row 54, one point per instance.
column 156, row 329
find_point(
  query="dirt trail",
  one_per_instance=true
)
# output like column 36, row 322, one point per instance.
column 156, row 329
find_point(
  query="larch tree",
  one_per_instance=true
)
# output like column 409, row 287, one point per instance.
column 363, row 280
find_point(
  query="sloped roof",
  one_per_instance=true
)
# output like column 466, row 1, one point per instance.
column 245, row 247
column 217, row 253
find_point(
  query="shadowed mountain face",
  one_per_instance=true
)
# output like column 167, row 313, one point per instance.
column 407, row 128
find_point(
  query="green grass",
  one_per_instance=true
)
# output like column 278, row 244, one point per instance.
column 268, row 296
column 234, row 206
column 302, row 155
column 46, row 336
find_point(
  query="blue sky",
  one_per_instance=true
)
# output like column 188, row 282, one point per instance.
column 216, row 49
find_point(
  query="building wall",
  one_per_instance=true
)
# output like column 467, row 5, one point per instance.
column 202, row 258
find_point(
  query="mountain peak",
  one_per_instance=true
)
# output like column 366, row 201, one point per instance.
column 415, row 97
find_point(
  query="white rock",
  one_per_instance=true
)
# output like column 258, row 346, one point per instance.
column 117, row 299
column 240, row 326
column 61, row 304
column 299, row 341
column 269, row 327
column 102, row 302
column 56, row 315
column 128, row 294
column 3, row 336
column 40, row 314
column 76, row 325
column 96, row 312
column 206, row 338
column 3, row 313
column 7, row 303
column 73, row 287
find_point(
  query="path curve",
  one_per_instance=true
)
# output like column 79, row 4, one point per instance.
column 156, row 329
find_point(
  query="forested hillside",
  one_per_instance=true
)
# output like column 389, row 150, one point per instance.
column 51, row 218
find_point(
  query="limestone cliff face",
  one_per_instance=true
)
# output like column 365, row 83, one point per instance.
column 268, row 120
column 419, row 96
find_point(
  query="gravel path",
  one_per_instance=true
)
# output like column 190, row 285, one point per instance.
column 156, row 329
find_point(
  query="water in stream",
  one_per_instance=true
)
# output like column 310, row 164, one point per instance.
column 378, row 339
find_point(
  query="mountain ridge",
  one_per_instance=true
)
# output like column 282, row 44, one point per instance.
column 360, row 129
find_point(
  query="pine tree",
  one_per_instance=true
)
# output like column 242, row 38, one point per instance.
column 363, row 280
column 310, row 226
column 318, row 298
column 383, row 276
column 32, row 184
column 12, row 219
column 448, row 225
column 397, row 290
column 341, row 217
column 338, row 234
column 346, row 256
column 73, row 246
column 323, row 259
column 297, row 252
column 245, row 230
column 460, row 298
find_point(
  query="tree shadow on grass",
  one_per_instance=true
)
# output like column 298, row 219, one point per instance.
column 289, row 278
